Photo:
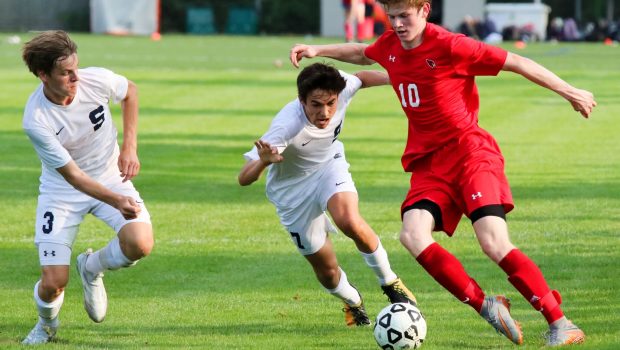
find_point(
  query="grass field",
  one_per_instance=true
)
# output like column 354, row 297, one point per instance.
column 224, row 275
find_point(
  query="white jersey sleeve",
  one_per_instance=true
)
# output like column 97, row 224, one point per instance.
column 113, row 85
column 353, row 85
column 284, row 126
column 49, row 150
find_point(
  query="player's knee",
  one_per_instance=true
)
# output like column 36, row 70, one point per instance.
column 332, row 273
column 142, row 248
column 415, row 240
column 487, row 247
column 146, row 246
column 136, row 250
column 495, row 248
column 404, row 237
column 492, row 252
column 137, row 245
column 353, row 226
column 329, row 276
column 409, row 237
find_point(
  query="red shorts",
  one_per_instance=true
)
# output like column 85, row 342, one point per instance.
column 460, row 177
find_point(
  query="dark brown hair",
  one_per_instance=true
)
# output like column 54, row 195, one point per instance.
column 42, row 53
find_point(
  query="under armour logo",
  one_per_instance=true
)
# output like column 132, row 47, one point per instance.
column 45, row 253
column 392, row 58
column 476, row 196
column 431, row 63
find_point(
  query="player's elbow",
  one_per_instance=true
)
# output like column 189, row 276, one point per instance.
column 72, row 174
column 365, row 61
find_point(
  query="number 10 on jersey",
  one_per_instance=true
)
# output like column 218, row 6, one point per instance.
column 409, row 98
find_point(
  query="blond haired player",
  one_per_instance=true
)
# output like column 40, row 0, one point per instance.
column 457, row 167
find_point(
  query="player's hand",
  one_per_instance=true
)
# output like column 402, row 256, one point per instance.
column 128, row 164
column 128, row 207
column 582, row 102
column 299, row 51
column 267, row 153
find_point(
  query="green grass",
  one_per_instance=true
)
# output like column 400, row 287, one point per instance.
column 224, row 274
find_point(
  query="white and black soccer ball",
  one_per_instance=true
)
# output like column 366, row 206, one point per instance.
column 400, row 326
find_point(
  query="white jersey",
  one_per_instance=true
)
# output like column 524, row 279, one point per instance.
column 307, row 150
column 82, row 131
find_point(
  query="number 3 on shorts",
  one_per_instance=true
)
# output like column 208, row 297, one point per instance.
column 49, row 226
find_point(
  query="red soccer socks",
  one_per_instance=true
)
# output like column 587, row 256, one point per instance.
column 530, row 282
column 449, row 272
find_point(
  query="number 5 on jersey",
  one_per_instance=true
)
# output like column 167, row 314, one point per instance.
column 97, row 117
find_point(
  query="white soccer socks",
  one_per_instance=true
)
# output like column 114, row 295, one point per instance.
column 380, row 265
column 48, row 312
column 345, row 291
column 110, row 257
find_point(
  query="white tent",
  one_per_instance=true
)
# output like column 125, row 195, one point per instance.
column 122, row 17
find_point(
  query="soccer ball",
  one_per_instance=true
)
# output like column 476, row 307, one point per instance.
column 400, row 326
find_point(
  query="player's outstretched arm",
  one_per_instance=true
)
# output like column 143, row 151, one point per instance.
column 128, row 162
column 581, row 100
column 350, row 53
column 371, row 78
column 84, row 183
column 252, row 170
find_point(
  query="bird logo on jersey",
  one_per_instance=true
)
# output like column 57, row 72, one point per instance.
column 431, row 63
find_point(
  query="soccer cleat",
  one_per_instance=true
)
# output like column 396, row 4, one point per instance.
column 496, row 311
column 397, row 292
column 355, row 315
column 95, row 298
column 566, row 334
column 41, row 334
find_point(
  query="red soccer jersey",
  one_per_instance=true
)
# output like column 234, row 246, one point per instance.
column 435, row 84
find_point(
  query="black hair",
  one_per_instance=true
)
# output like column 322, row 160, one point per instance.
column 319, row 76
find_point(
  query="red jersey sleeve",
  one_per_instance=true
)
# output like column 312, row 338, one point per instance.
column 373, row 50
column 471, row 57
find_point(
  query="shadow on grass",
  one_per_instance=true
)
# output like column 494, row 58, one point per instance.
column 234, row 293
column 201, row 168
